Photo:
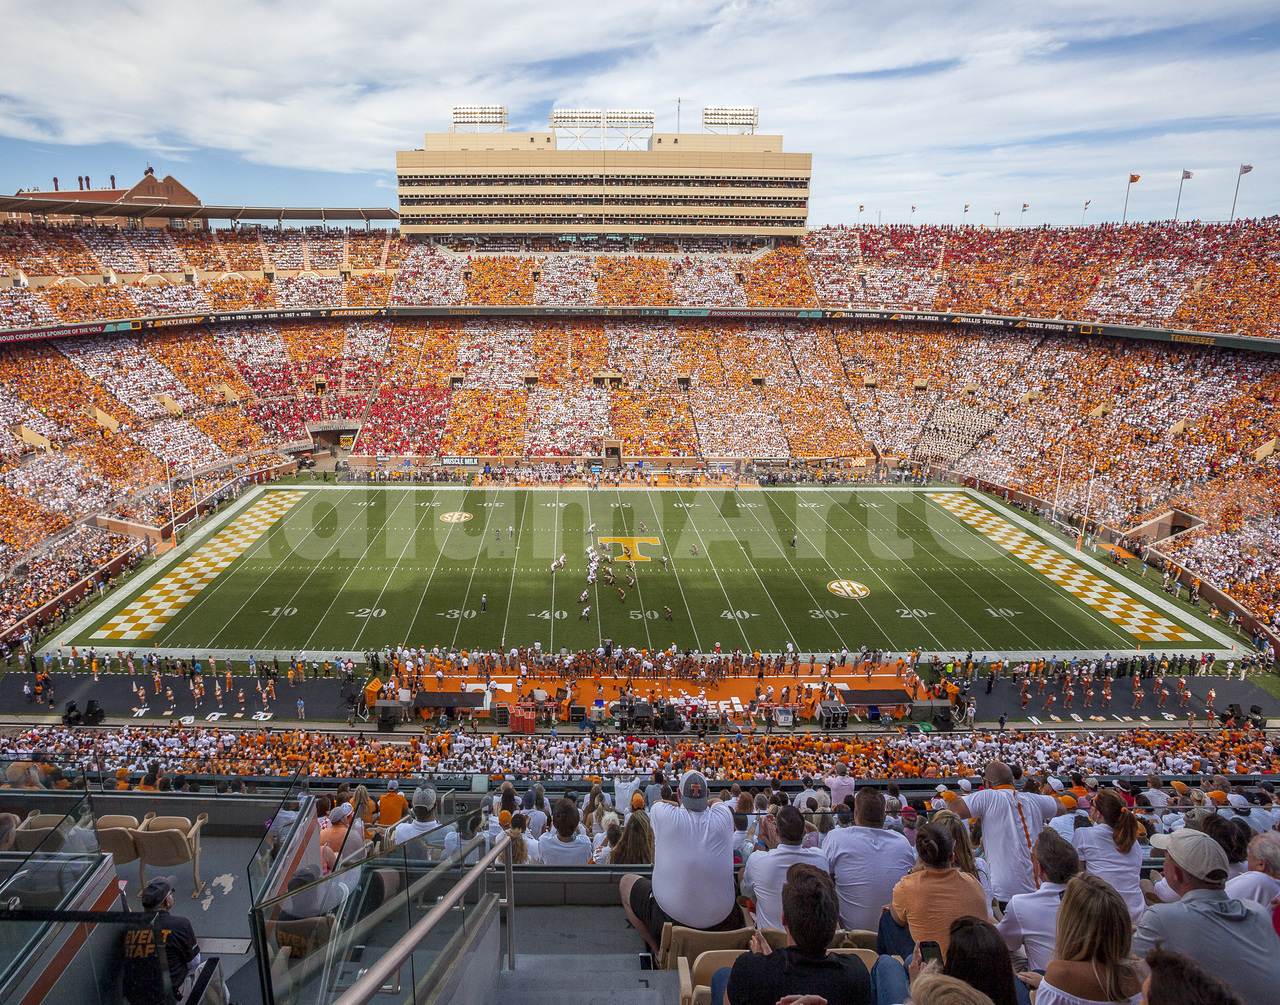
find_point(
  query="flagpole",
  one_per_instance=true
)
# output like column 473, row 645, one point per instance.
column 1125, row 215
column 1179, row 202
column 1236, row 196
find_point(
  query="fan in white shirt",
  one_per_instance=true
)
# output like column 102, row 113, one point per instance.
column 1011, row 821
column 1262, row 882
column 1030, row 919
column 765, row 873
column 866, row 861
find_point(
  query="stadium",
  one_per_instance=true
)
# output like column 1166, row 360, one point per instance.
column 590, row 463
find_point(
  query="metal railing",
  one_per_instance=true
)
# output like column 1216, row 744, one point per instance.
column 373, row 981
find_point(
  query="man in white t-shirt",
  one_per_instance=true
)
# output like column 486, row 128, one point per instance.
column 765, row 873
column 1030, row 920
column 692, row 866
column 1262, row 882
column 565, row 843
column 840, row 784
column 422, row 820
column 866, row 861
column 1011, row 822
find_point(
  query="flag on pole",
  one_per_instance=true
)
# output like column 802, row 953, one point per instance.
column 1026, row 205
column 913, row 209
column 1133, row 178
column 1086, row 203
column 1186, row 175
column 1246, row 168
column 966, row 207
column 861, row 207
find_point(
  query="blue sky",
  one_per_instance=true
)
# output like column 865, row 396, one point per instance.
column 927, row 104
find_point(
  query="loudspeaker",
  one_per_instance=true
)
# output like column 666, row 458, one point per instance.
column 833, row 715
column 643, row 710
column 94, row 713
column 942, row 724
column 577, row 713
column 386, row 725
column 1235, row 709
column 1255, row 709
column 500, row 715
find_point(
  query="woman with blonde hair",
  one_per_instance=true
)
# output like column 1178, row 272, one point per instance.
column 519, row 846
column 363, row 808
column 1093, row 961
column 965, row 858
column 932, row 987
column 1110, row 849
column 593, row 812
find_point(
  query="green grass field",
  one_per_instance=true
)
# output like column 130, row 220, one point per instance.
column 349, row 569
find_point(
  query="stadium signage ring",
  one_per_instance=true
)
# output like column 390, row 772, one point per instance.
column 457, row 516
column 848, row 589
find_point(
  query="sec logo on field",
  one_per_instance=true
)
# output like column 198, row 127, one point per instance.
column 457, row 516
column 848, row 589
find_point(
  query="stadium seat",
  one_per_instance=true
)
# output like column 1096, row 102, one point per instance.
column 116, row 836
column 679, row 942
column 867, row 956
column 35, row 830
column 695, row 979
column 165, row 841
column 858, row 938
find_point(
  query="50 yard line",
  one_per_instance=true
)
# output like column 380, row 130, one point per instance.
column 644, row 616
column 657, row 522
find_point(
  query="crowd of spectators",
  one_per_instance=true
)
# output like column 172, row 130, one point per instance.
column 56, row 568
column 243, row 249
column 164, row 297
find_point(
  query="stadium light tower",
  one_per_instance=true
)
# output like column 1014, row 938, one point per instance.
column 628, row 128
column 613, row 129
column 479, row 119
column 583, row 127
column 738, row 119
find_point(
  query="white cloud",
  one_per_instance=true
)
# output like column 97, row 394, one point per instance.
column 937, row 105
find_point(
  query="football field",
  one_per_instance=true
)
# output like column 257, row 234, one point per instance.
column 336, row 569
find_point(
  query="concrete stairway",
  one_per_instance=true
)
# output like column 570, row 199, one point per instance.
column 588, row 979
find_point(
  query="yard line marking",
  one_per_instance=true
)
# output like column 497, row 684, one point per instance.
column 484, row 540
column 623, row 511
column 555, row 557
column 146, row 615
column 337, row 538
column 408, row 631
column 657, row 522
column 967, row 622
column 1066, row 630
column 742, row 631
column 192, row 610
column 380, row 534
column 596, row 584
column 774, row 539
column 845, row 541
column 519, row 523
column 1134, row 617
